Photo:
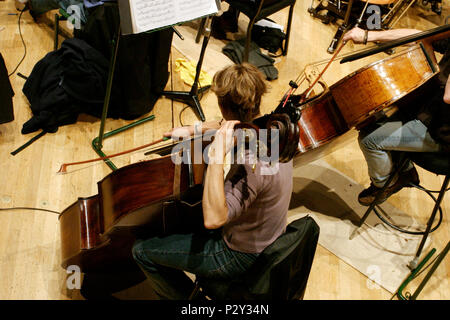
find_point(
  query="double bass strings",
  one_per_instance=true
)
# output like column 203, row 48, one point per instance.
column 302, row 76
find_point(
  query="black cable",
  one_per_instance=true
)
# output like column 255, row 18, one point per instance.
column 408, row 231
column 23, row 42
column 187, row 106
column 29, row 208
column 179, row 115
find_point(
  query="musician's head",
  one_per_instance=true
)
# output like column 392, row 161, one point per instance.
column 239, row 89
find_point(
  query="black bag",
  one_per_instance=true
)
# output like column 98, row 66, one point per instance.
column 65, row 83
column 268, row 38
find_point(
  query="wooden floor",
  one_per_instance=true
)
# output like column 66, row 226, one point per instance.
column 30, row 240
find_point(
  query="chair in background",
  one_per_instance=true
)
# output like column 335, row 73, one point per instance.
column 434, row 162
column 259, row 10
column 280, row 272
column 256, row 11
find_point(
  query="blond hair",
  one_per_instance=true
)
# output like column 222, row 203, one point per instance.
column 239, row 89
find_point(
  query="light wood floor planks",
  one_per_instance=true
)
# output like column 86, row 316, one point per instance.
column 29, row 240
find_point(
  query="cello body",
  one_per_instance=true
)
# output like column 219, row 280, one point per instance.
column 354, row 100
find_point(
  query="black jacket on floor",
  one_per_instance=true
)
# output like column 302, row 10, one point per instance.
column 73, row 79
column 6, row 94
column 142, row 60
column 65, row 83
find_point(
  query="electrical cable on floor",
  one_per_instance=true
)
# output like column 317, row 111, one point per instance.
column 179, row 115
column 187, row 106
column 29, row 208
column 23, row 42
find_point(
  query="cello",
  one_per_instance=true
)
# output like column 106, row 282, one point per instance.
column 150, row 198
column 362, row 96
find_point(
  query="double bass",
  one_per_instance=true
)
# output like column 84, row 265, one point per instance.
column 149, row 198
column 362, row 96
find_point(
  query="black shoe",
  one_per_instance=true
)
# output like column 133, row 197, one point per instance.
column 367, row 196
column 405, row 179
column 409, row 178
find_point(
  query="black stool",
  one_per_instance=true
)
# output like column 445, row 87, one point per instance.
column 280, row 272
column 438, row 163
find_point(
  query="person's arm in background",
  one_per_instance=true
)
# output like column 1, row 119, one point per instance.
column 357, row 35
column 447, row 91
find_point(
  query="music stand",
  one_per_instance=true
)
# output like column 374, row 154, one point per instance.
column 97, row 142
column 191, row 98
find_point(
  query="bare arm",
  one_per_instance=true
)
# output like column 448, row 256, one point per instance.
column 357, row 35
column 214, row 205
column 189, row 130
column 447, row 91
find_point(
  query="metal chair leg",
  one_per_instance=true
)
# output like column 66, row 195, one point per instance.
column 288, row 30
column 201, row 30
column 55, row 46
column 413, row 264
column 196, row 290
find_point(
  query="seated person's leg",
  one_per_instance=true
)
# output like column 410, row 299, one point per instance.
column 163, row 260
column 377, row 147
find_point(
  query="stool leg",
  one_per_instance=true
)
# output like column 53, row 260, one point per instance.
column 430, row 273
column 195, row 292
column 201, row 30
column 55, row 45
column 413, row 264
column 288, row 30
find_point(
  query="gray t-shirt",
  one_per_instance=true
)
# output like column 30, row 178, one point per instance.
column 257, row 203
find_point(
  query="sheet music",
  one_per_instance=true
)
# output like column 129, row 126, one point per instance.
column 154, row 14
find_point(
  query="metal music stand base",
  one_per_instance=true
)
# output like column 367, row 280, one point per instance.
column 98, row 149
column 97, row 143
column 415, row 272
column 191, row 98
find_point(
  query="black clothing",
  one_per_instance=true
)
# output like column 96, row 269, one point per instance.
column 235, row 51
column 435, row 113
column 73, row 79
column 6, row 94
column 63, row 84
column 142, row 60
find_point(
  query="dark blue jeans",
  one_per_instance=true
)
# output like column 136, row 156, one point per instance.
column 163, row 260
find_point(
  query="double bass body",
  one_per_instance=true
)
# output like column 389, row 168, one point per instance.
column 356, row 98
column 97, row 232
column 153, row 197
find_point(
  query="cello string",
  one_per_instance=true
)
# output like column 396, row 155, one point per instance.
column 308, row 91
